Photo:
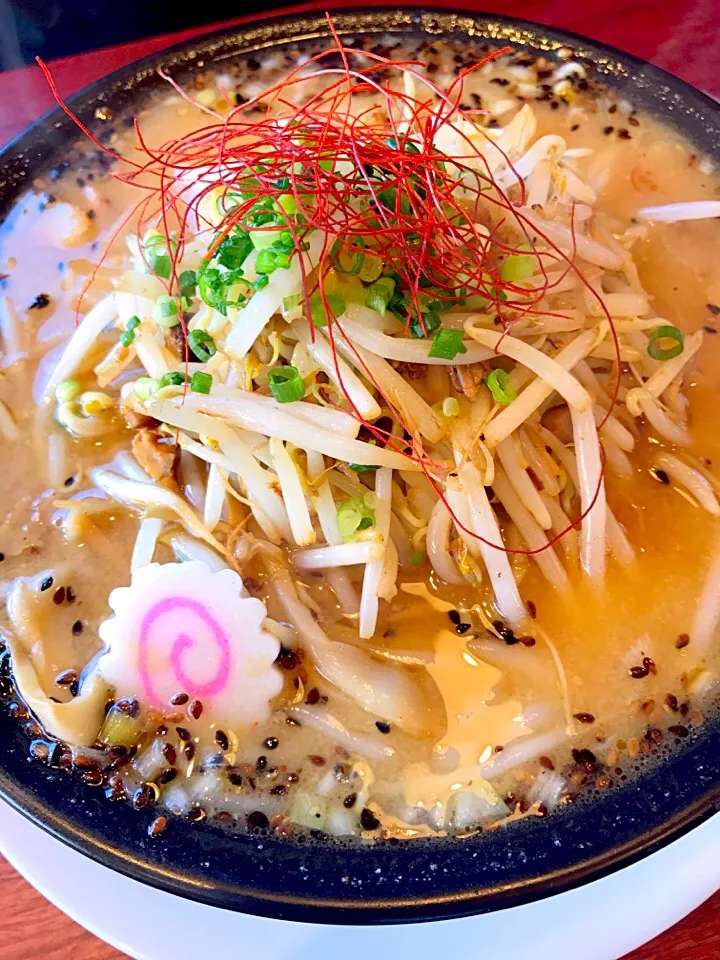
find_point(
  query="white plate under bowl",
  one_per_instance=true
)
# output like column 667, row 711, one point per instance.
column 604, row 919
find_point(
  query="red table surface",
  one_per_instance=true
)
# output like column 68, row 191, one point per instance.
column 681, row 36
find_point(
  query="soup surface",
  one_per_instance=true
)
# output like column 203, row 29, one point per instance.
column 360, row 449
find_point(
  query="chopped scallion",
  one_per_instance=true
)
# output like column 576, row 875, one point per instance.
column 166, row 312
column 354, row 515
column 666, row 342
column 187, row 282
column 67, row 390
column 144, row 388
column 517, row 267
column 234, row 250
column 319, row 313
column 172, row 379
column 266, row 261
column 201, row 344
column 379, row 294
column 417, row 558
column 498, row 383
column 286, row 384
column 363, row 467
column 447, row 344
column 201, row 382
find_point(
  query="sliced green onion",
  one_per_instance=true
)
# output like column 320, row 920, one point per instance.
column 187, row 282
column 67, row 390
column 234, row 250
column 417, row 558
column 358, row 257
column 499, row 385
column 379, row 294
column 658, row 346
column 127, row 338
column 426, row 326
column 165, row 312
column 156, row 254
column 201, row 344
column 354, row 515
column 144, row 388
column 132, row 324
column 517, row 267
column 266, row 261
column 262, row 281
column 319, row 313
column 286, row 384
column 200, row 382
column 450, row 407
column 212, row 289
column 291, row 303
column 172, row 379
column 285, row 241
column 447, row 344
column 363, row 467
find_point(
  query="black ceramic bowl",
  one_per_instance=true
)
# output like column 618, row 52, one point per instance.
column 386, row 883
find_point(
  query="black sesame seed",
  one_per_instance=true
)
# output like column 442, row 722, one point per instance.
column 454, row 617
column 235, row 778
column 649, row 665
column 584, row 717
column 638, row 673
column 279, row 791
column 144, row 796
column 46, row 584
column 287, row 659
column 368, row 820
column 713, row 308
column 532, row 609
column 167, row 776
column 708, row 329
column 69, row 481
column 221, row 739
column 608, row 130
column 317, row 760
column 660, row 475
column 526, row 641
column 189, row 751
column 77, row 628
column 546, row 763
column 574, row 127
column 682, row 641
column 293, row 778
column 257, row 820
column 382, row 726
column 612, row 108
column 93, row 778
column 196, row 814
column 672, row 701
column 261, row 764
column 170, row 753
column 679, row 731
column 40, row 302
column 70, row 595
column 624, row 134
column 271, row 743
column 39, row 750
column 195, row 709
column 350, row 800
column 66, row 678
column 462, row 628
column 183, row 733
column 59, row 596
column 313, row 696
column 179, row 699
column 584, row 757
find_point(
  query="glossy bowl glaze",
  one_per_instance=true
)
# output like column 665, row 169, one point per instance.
column 387, row 882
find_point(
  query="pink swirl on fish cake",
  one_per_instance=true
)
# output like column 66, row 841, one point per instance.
column 182, row 643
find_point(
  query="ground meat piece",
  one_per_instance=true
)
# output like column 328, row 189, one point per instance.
column 156, row 454
column 136, row 420
column 467, row 379
column 411, row 371
column 175, row 340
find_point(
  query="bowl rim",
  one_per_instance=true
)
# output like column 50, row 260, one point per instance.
column 306, row 883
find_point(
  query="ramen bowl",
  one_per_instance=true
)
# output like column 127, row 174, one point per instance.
column 389, row 881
